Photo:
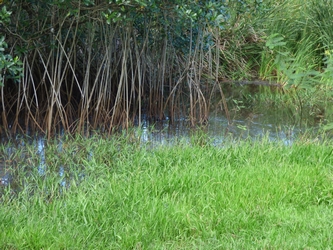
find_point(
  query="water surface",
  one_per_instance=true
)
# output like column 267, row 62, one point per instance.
column 244, row 124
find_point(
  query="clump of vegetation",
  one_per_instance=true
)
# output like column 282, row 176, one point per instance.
column 101, row 64
column 10, row 68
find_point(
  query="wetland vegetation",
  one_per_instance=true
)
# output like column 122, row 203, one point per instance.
column 90, row 75
column 78, row 66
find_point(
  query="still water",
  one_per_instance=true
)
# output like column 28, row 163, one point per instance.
column 242, row 125
column 218, row 129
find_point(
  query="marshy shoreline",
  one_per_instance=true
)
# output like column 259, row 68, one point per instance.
column 82, row 83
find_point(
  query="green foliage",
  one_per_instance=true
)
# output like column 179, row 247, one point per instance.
column 104, row 55
column 116, row 58
column 298, row 34
column 10, row 68
column 4, row 15
column 175, row 19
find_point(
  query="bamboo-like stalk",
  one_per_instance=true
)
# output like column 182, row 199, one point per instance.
column 102, row 79
column 217, row 64
column 4, row 126
column 118, row 104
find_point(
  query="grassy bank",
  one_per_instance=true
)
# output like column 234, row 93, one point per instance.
column 240, row 196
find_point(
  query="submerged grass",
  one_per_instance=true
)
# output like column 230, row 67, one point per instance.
column 243, row 195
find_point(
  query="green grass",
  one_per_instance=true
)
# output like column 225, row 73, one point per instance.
column 298, row 46
column 246, row 195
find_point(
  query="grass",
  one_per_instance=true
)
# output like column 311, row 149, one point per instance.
column 246, row 195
